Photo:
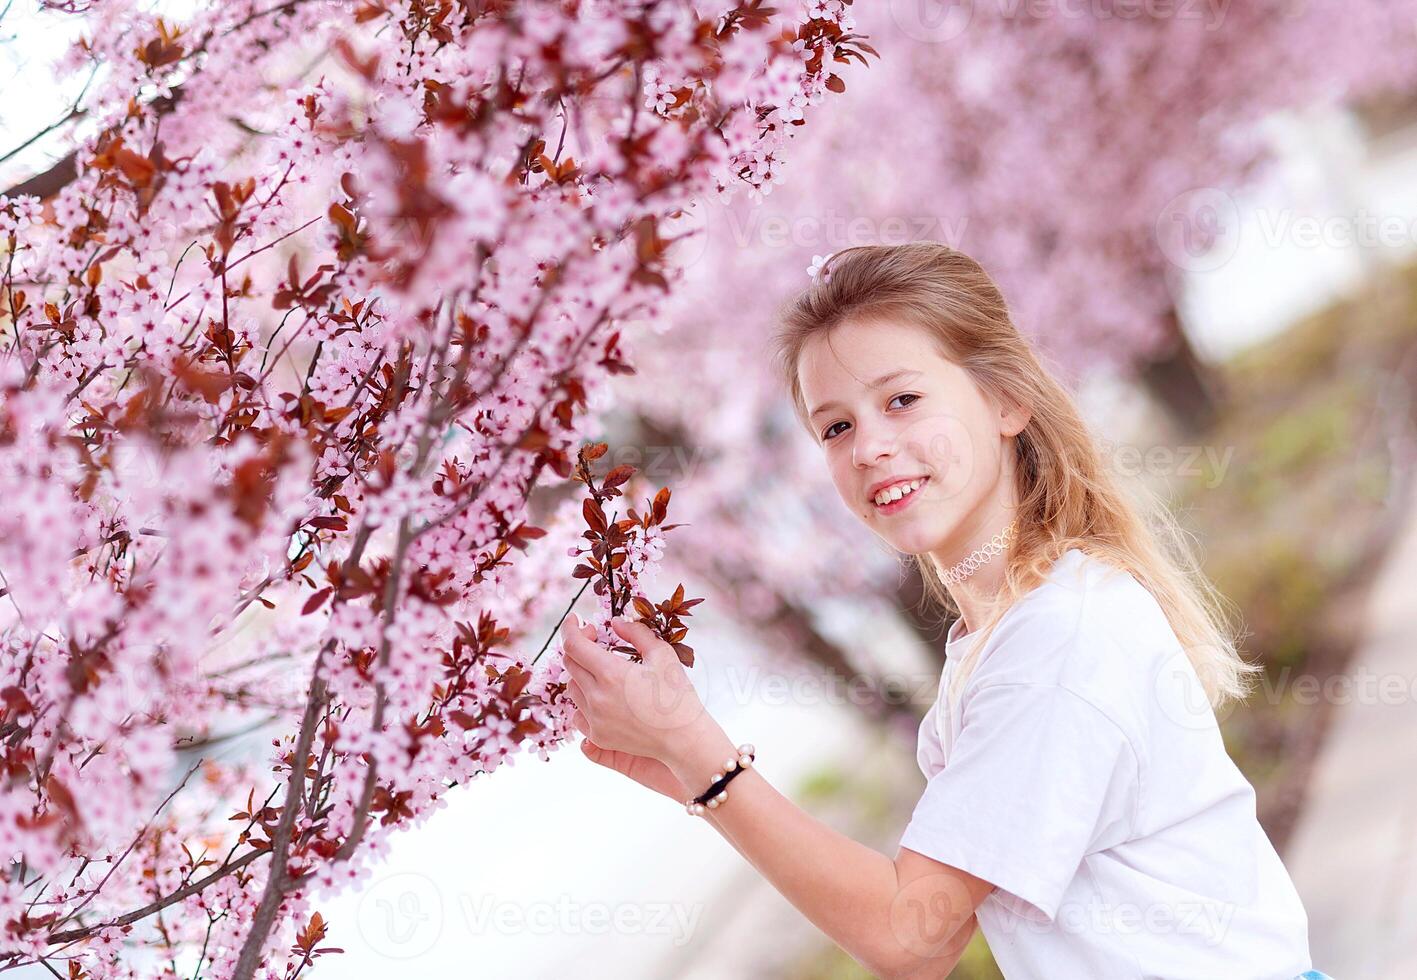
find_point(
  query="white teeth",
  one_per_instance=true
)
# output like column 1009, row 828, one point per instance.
column 896, row 492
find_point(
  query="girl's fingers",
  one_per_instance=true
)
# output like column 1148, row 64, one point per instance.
column 641, row 637
column 577, row 696
column 604, row 667
column 567, row 627
column 574, row 666
column 579, row 653
column 579, row 720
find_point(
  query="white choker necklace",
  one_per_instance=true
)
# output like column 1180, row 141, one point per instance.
column 980, row 556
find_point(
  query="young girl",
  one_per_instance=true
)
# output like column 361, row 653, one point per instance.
column 1080, row 806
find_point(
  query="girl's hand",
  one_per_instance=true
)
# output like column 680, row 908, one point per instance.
column 647, row 772
column 638, row 709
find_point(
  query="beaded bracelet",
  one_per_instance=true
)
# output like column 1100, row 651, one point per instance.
column 717, row 791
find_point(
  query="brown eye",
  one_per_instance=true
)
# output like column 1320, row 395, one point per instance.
column 913, row 398
column 827, row 435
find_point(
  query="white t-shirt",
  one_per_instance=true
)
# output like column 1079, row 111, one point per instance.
column 1086, row 778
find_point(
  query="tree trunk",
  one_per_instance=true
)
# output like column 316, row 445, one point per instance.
column 929, row 621
column 50, row 182
column 874, row 696
column 1186, row 388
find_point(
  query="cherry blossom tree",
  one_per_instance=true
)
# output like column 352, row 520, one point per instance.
column 300, row 343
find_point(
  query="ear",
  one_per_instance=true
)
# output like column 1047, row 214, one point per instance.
column 1013, row 416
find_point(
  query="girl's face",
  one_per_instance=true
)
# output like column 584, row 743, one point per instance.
column 888, row 410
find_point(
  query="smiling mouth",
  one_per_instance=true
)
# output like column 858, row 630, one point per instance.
column 898, row 497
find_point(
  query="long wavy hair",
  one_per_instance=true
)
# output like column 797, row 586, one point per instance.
column 1067, row 497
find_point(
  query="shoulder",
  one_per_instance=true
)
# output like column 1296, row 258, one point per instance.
column 1091, row 629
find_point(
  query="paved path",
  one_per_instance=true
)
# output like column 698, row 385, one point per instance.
column 1353, row 855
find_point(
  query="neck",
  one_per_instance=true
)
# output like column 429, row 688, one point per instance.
column 975, row 595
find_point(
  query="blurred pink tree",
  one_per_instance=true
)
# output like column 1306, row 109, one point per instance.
column 1062, row 148
column 303, row 335
column 1085, row 152
column 1079, row 156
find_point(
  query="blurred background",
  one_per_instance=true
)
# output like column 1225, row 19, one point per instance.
column 1205, row 215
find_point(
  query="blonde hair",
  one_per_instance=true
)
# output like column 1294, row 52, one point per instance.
column 1066, row 495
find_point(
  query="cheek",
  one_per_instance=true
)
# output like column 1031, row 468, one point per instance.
column 844, row 479
column 948, row 448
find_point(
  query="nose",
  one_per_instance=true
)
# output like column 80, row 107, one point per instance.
column 872, row 444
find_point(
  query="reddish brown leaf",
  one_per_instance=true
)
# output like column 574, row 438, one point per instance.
column 618, row 476
column 315, row 601
column 594, row 515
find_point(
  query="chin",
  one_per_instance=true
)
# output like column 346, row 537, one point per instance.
column 915, row 544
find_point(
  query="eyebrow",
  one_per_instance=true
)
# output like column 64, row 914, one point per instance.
column 883, row 380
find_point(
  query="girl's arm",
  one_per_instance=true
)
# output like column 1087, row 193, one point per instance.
column 911, row 917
